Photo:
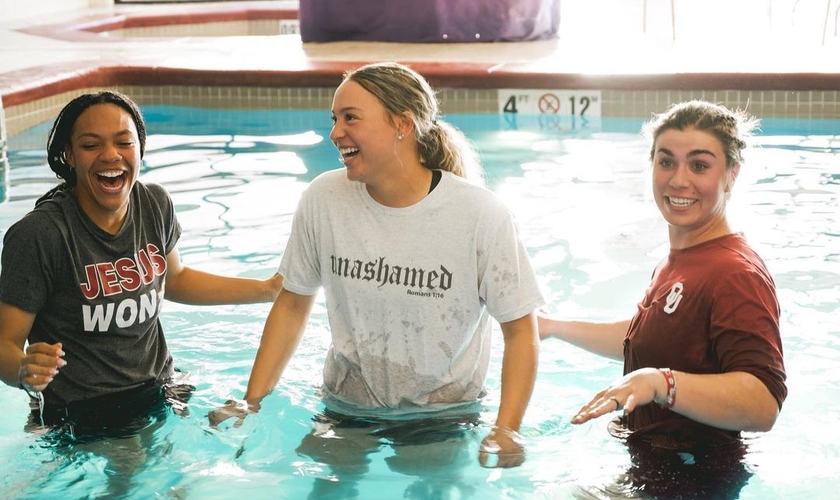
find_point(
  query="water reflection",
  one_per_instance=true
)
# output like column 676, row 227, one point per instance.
column 583, row 203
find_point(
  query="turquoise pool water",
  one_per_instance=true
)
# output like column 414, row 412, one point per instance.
column 580, row 192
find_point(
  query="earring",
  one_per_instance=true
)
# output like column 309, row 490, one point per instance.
column 399, row 137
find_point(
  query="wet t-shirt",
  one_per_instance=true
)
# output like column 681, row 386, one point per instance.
column 409, row 291
column 710, row 308
column 98, row 294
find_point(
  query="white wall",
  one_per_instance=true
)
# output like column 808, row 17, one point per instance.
column 19, row 9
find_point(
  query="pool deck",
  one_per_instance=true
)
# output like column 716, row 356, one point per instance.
column 775, row 51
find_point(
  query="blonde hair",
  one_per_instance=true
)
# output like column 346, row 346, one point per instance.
column 402, row 91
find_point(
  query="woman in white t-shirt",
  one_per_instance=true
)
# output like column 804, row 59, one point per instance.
column 414, row 256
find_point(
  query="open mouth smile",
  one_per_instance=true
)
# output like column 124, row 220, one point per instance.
column 112, row 180
column 681, row 202
column 347, row 153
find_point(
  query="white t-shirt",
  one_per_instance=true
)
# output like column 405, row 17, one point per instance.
column 408, row 291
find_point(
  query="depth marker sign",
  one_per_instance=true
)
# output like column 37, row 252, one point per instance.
column 583, row 103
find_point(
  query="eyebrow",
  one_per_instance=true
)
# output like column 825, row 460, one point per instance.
column 345, row 109
column 694, row 152
column 97, row 136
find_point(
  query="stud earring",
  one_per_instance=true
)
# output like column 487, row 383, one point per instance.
column 400, row 137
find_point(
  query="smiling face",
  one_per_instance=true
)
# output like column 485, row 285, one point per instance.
column 363, row 132
column 105, row 152
column 691, row 183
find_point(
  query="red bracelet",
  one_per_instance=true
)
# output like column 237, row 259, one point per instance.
column 671, row 395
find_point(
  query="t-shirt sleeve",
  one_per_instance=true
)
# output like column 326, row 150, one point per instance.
column 31, row 251
column 507, row 282
column 300, row 264
column 745, row 330
column 171, row 228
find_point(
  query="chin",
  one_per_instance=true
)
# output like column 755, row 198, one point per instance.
column 115, row 204
column 352, row 175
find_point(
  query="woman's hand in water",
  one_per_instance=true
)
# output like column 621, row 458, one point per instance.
column 39, row 366
column 231, row 409
column 503, row 447
column 635, row 389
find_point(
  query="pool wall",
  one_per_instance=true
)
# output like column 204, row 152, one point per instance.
column 34, row 95
column 39, row 104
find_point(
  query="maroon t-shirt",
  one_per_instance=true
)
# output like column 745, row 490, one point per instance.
column 711, row 308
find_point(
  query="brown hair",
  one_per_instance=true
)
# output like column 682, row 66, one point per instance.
column 731, row 128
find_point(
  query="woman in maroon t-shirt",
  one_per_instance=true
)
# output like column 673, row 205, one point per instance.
column 704, row 344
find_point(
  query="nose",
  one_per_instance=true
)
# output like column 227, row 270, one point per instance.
column 110, row 152
column 335, row 132
column 679, row 176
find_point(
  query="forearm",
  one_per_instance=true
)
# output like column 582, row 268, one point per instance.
column 200, row 288
column 10, row 356
column 281, row 335
column 734, row 401
column 519, row 370
column 605, row 339
column 15, row 325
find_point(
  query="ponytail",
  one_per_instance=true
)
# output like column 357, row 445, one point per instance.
column 445, row 147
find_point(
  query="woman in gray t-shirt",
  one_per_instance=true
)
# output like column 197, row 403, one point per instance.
column 84, row 274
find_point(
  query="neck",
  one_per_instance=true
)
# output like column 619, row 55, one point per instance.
column 403, row 190
column 680, row 239
column 110, row 221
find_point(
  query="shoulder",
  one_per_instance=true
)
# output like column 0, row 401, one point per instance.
column 48, row 214
column 328, row 186
column 474, row 194
column 151, row 196
column 330, row 179
column 30, row 225
column 738, row 268
column 45, row 227
column 739, row 255
column 152, row 190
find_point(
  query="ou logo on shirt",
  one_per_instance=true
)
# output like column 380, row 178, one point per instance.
column 673, row 299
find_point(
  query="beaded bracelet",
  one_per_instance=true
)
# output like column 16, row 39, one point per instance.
column 671, row 395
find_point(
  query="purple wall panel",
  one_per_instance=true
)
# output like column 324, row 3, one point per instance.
column 428, row 20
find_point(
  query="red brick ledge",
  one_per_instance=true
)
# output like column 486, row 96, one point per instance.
column 87, row 29
column 19, row 87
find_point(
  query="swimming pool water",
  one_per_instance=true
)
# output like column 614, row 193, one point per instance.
column 581, row 195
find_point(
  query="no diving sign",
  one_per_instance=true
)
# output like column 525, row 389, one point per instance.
column 549, row 104
column 583, row 103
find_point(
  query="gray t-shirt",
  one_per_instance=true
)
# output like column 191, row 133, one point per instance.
column 96, row 293
column 409, row 291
